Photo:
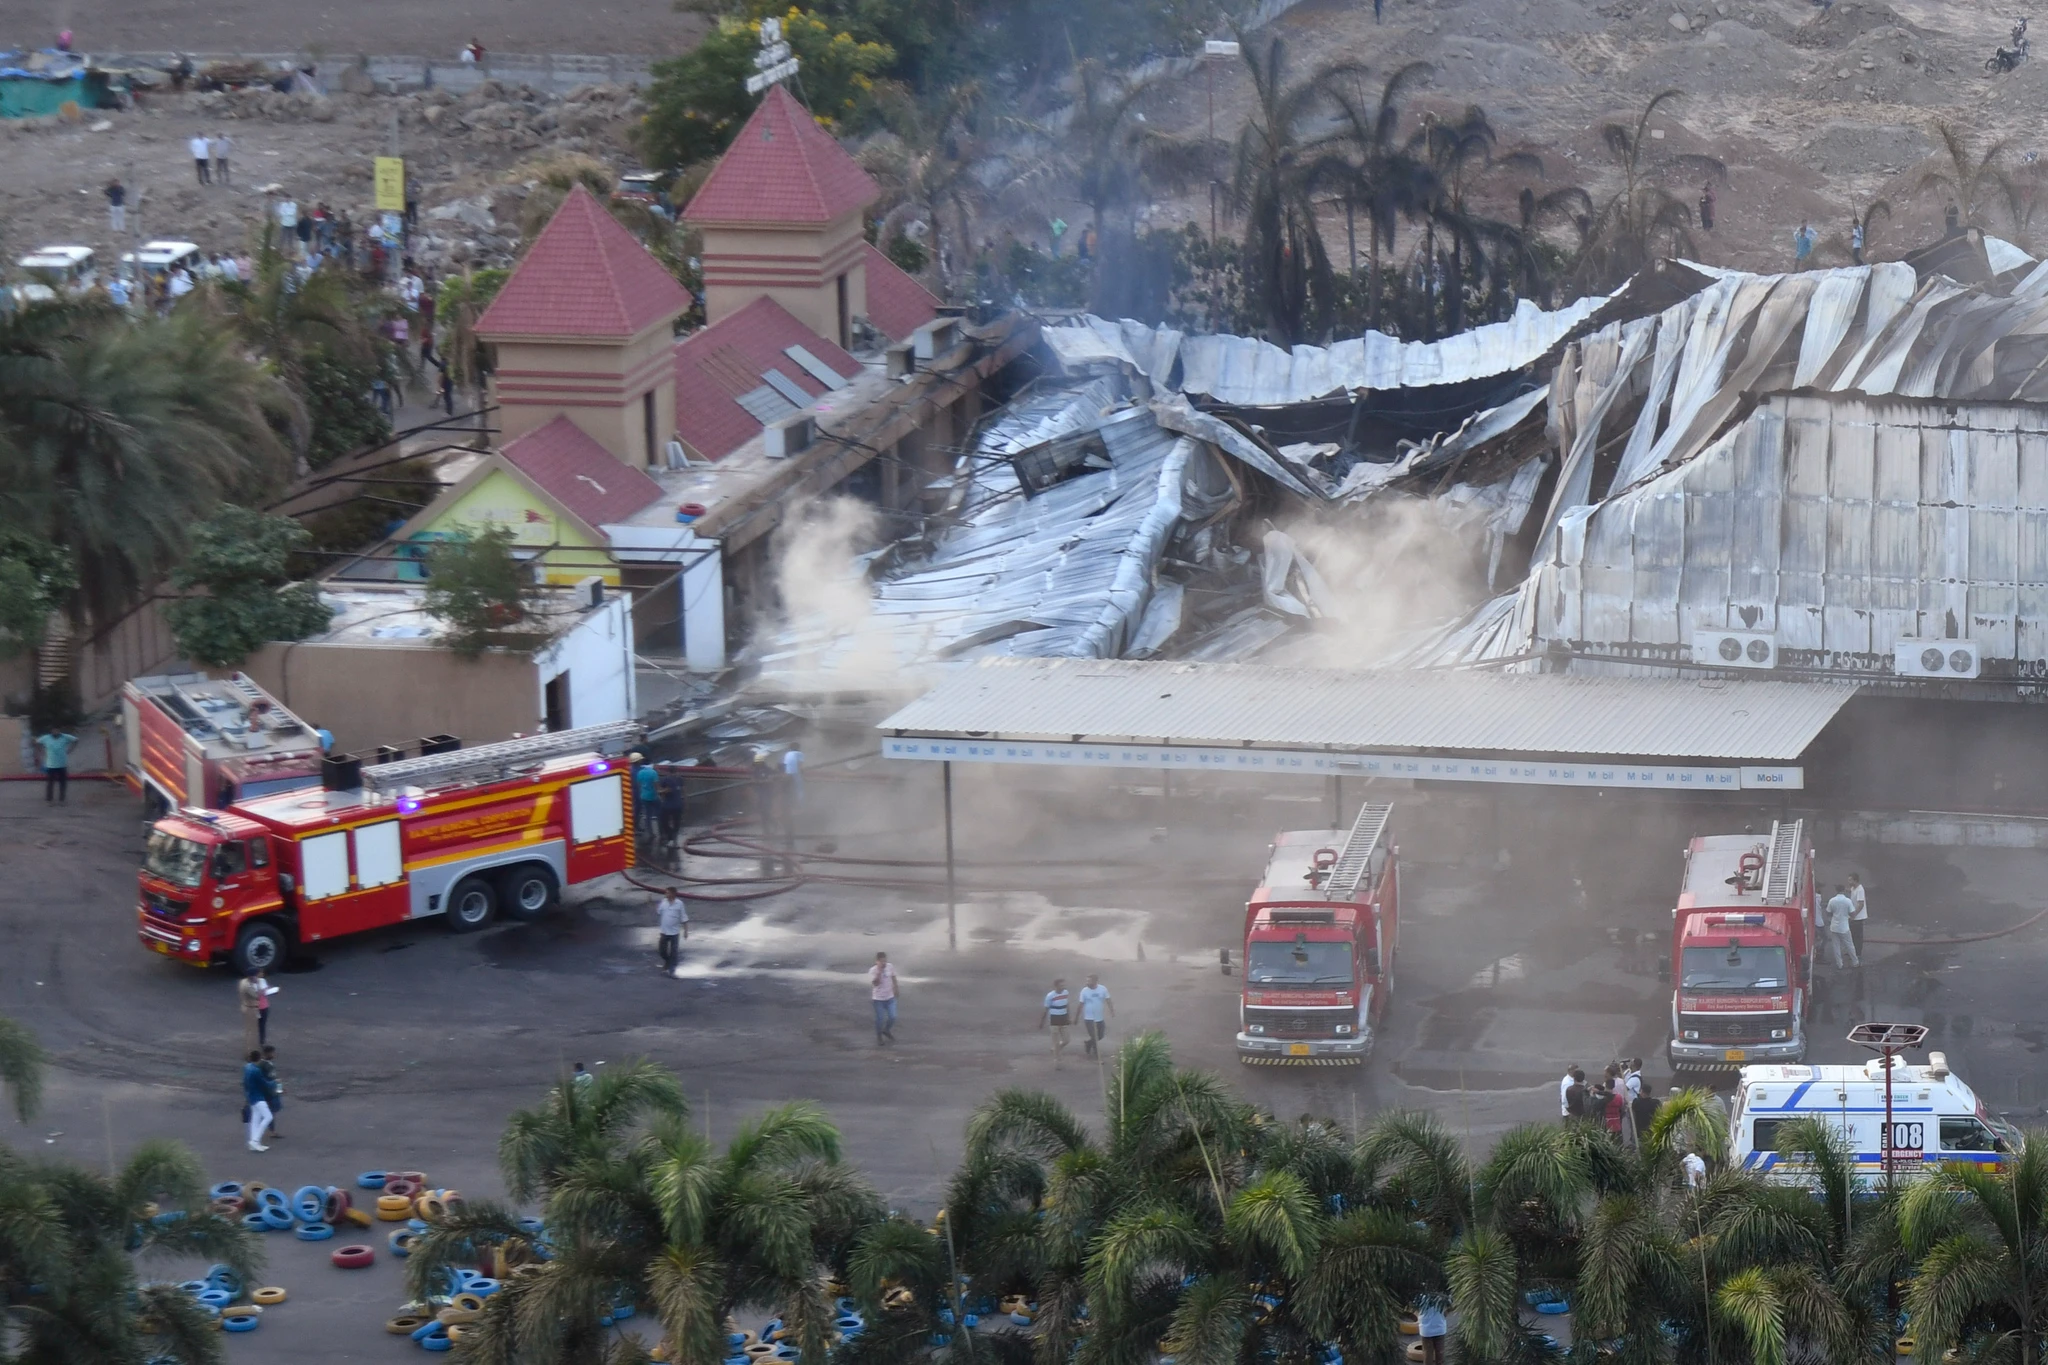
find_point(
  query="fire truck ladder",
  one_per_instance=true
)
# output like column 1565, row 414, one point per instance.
column 1351, row 865
column 1781, row 873
column 495, row 760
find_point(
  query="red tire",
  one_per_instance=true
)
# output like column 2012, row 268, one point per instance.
column 354, row 1257
column 338, row 1205
column 404, row 1187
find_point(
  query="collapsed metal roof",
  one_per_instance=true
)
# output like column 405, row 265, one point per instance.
column 1839, row 462
column 1249, row 705
column 1246, row 370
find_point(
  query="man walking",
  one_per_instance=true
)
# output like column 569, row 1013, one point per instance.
column 256, row 1100
column 117, row 205
column 254, row 994
column 882, row 990
column 222, row 146
column 1840, row 914
column 1096, row 1010
column 1860, row 913
column 55, row 746
column 675, row 927
column 1057, row 1015
column 275, row 1089
column 201, row 156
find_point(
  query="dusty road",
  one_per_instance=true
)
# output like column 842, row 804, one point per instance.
column 408, row 1049
column 364, row 26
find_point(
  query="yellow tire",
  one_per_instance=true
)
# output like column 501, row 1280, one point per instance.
column 473, row 1303
column 659, row 1354
column 358, row 1217
column 456, row 1317
column 394, row 1203
column 1409, row 1327
column 272, row 1294
column 241, row 1310
column 457, row 1330
column 431, row 1207
column 404, row 1325
column 1415, row 1352
column 1907, row 1345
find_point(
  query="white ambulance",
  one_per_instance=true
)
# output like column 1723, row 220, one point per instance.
column 1935, row 1118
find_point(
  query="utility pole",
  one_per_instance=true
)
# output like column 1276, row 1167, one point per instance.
column 1215, row 47
column 1888, row 1041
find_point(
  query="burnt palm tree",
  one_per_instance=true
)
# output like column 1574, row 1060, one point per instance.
column 1972, row 180
column 1642, row 220
column 1275, row 175
column 929, row 165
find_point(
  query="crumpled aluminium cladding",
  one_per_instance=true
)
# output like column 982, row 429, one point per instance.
column 1068, row 572
column 1246, row 370
column 1790, row 462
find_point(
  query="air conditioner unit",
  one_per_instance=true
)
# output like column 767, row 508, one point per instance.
column 589, row 592
column 1950, row 659
column 790, row 436
column 1734, row 649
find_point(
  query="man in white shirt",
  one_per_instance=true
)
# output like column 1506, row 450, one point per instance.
column 1096, row 1010
column 1695, row 1169
column 674, row 924
column 1860, row 913
column 180, row 283
column 1564, row 1087
column 1058, row 1015
column 1838, row 915
column 201, row 157
column 882, row 990
column 288, row 221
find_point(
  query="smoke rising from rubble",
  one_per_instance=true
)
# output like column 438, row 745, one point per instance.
column 827, row 605
column 1392, row 569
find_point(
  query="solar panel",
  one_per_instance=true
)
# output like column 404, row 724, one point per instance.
column 787, row 387
column 765, row 405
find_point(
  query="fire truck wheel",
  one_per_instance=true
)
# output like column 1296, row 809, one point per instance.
column 260, row 948
column 471, row 905
column 526, row 892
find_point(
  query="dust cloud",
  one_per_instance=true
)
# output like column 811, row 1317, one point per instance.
column 827, row 638
column 1391, row 570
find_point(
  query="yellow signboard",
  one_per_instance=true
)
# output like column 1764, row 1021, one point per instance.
column 391, row 184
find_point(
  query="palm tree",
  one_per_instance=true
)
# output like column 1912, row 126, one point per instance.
column 21, row 1068
column 1866, row 219
column 1968, row 178
column 1384, row 180
column 1979, row 1241
column 639, row 1208
column 117, row 435
column 929, row 163
column 1273, row 183
column 1642, row 219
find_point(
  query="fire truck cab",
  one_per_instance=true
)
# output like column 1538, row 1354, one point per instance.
column 1742, row 949
column 1319, row 943
column 465, row 835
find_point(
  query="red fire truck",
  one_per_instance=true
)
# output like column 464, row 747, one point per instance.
column 1319, row 938
column 1742, row 950
column 200, row 741
column 461, row 834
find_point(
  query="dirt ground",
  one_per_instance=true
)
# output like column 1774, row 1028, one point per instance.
column 359, row 26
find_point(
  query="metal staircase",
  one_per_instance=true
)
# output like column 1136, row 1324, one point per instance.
column 496, row 760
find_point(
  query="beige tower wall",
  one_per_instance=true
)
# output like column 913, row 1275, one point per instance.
column 800, row 268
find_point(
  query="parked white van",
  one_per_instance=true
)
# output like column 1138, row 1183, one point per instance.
column 1935, row 1118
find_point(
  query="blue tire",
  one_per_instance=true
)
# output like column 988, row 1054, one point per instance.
column 215, row 1298
column 270, row 1198
column 196, row 1286
column 166, row 1218
column 309, row 1202
column 227, row 1189
column 533, row 1226
column 401, row 1242
column 619, row 1314
column 443, row 1342
column 241, row 1322
column 1554, row 1308
column 316, row 1232
column 605, row 1320
column 277, row 1219
column 1021, row 1319
column 483, row 1287
column 255, row 1222
column 224, row 1277
column 372, row 1180
column 429, row 1328
column 849, row 1322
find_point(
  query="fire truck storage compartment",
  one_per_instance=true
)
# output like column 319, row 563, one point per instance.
column 597, row 809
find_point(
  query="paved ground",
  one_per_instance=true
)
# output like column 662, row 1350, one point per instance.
column 409, row 1048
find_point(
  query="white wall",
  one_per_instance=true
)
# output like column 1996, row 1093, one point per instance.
column 597, row 654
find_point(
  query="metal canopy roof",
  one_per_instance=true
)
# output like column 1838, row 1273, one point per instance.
column 1247, row 705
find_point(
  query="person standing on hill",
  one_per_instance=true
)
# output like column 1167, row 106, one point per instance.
column 1707, row 207
column 201, row 157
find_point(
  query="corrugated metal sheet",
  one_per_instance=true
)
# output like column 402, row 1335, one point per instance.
column 1247, row 370
column 1245, row 704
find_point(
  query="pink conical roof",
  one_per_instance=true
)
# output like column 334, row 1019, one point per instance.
column 584, row 276
column 782, row 169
